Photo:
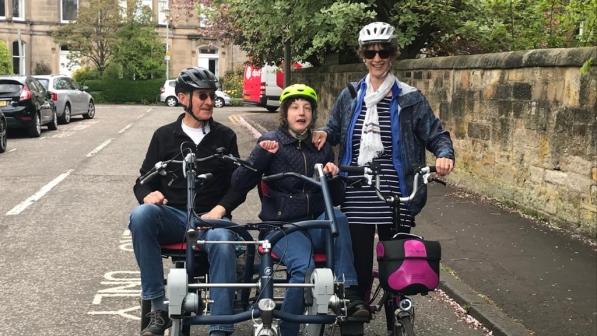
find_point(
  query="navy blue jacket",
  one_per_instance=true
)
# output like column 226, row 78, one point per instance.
column 414, row 129
column 287, row 199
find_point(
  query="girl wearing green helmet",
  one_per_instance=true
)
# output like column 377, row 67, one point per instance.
column 289, row 149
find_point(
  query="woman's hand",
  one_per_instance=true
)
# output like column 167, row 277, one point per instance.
column 155, row 197
column 318, row 138
column 443, row 166
column 331, row 169
column 269, row 145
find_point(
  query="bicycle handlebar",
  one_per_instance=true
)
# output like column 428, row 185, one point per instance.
column 160, row 166
column 322, row 184
column 373, row 170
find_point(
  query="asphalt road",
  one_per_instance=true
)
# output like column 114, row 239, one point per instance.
column 67, row 266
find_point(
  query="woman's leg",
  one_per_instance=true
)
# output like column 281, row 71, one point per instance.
column 362, row 246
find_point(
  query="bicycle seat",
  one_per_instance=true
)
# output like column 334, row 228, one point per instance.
column 318, row 256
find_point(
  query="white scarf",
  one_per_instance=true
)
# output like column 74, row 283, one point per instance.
column 371, row 145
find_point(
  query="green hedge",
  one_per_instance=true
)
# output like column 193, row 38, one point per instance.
column 120, row 91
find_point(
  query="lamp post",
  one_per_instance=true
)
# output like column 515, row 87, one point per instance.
column 166, row 11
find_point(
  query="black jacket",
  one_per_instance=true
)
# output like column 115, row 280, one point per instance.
column 166, row 144
column 289, row 198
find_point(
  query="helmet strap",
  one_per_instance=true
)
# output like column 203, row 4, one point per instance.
column 189, row 109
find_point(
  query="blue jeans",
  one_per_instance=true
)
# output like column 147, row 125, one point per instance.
column 296, row 251
column 152, row 225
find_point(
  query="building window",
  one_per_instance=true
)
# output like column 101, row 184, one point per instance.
column 2, row 9
column 18, row 9
column 68, row 10
column 18, row 57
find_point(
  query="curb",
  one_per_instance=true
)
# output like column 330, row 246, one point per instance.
column 492, row 317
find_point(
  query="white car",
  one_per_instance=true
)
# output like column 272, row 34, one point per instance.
column 168, row 96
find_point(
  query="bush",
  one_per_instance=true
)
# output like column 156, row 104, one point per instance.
column 232, row 83
column 120, row 91
column 84, row 74
column 42, row 69
column 5, row 59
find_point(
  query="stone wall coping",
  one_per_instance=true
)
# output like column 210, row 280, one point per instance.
column 557, row 57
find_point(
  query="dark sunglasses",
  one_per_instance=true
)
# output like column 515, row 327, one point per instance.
column 204, row 95
column 383, row 53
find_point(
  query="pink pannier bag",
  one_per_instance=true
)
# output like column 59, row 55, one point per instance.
column 408, row 265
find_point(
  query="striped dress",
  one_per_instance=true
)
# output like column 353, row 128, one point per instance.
column 361, row 204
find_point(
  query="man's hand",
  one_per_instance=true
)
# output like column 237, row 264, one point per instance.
column 331, row 168
column 216, row 213
column 155, row 197
column 269, row 145
column 318, row 138
column 443, row 166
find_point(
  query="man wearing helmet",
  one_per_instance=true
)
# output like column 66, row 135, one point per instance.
column 385, row 120
column 161, row 216
column 289, row 149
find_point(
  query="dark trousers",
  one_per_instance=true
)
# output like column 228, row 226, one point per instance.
column 363, row 236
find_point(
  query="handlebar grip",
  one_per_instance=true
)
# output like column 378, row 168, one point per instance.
column 148, row 177
column 273, row 177
column 432, row 169
column 205, row 177
column 353, row 169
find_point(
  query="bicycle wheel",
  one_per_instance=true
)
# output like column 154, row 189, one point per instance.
column 404, row 327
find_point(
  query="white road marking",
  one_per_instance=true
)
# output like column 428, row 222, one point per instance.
column 39, row 194
column 12, row 150
column 99, row 148
column 125, row 128
column 248, row 126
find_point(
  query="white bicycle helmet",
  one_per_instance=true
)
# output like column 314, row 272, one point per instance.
column 376, row 32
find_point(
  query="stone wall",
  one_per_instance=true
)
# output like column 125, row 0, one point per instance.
column 524, row 125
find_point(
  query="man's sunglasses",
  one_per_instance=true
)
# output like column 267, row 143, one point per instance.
column 204, row 95
column 383, row 53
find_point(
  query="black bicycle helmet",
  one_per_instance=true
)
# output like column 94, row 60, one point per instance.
column 194, row 78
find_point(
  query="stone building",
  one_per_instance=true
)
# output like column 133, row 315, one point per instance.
column 25, row 26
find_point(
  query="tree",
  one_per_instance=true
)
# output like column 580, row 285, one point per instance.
column 138, row 48
column 310, row 30
column 5, row 62
column 92, row 36
column 272, row 31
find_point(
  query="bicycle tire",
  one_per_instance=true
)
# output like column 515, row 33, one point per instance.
column 404, row 327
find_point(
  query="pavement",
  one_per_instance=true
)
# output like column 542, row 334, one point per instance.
column 516, row 275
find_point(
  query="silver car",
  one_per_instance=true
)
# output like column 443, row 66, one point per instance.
column 69, row 97
column 168, row 96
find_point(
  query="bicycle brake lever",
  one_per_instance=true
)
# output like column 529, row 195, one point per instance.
column 437, row 180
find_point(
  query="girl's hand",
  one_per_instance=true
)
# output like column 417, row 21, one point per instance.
column 269, row 145
column 331, row 169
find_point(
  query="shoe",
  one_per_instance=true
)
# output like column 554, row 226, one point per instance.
column 158, row 323
column 356, row 307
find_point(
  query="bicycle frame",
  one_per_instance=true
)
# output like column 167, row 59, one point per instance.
column 182, row 302
column 399, row 308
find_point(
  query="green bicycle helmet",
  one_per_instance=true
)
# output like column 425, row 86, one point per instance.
column 299, row 91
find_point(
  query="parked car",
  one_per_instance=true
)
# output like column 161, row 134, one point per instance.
column 168, row 96
column 26, row 104
column 69, row 97
column 3, row 135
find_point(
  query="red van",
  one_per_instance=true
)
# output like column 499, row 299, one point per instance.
column 262, row 86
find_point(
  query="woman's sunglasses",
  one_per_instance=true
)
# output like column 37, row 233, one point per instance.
column 383, row 53
column 203, row 95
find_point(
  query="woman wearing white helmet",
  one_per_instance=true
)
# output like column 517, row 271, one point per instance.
column 385, row 120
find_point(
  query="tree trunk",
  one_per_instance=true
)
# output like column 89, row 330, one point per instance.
column 287, row 63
